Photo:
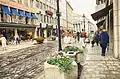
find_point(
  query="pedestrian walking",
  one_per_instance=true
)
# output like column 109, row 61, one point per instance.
column 92, row 39
column 104, row 40
column 16, row 39
column 3, row 41
column 83, row 35
column 67, row 39
column 96, row 37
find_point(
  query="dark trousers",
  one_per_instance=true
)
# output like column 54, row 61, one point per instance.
column 103, row 49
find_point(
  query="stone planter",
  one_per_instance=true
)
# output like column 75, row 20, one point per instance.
column 53, row 72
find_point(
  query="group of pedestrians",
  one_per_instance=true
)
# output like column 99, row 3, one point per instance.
column 16, row 40
column 101, row 37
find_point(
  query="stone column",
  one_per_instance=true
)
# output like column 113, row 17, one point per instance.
column 45, row 33
column 116, row 18
column 35, row 33
column 75, row 27
column 15, row 32
column 39, row 32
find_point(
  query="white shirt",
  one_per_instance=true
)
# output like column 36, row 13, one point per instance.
column 67, row 39
column 3, row 39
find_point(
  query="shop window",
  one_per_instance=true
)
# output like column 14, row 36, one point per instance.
column 47, row 19
column 44, row 18
column 37, row 4
column 5, row 18
column 32, row 21
column 2, row 20
column 40, row 5
column 26, row 2
column 47, row 7
column 31, row 3
column 41, row 17
column 21, row 20
column 20, row 1
column 29, row 21
column 44, row 6
column 50, row 19
column 13, row 18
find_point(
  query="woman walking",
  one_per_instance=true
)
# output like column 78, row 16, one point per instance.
column 3, row 40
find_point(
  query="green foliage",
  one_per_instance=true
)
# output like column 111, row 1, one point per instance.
column 64, row 63
column 71, row 48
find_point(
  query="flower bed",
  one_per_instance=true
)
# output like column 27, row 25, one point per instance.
column 60, row 68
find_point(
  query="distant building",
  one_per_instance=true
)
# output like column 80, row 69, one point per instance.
column 79, row 22
column 66, row 19
column 69, row 16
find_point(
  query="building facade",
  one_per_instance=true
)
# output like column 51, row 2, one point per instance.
column 47, row 17
column 63, row 20
column 69, row 16
column 22, row 17
column 107, row 16
column 17, row 18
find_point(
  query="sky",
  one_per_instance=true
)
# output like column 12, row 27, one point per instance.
column 86, row 7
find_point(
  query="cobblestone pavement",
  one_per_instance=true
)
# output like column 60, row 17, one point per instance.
column 99, row 67
column 12, row 47
column 25, row 63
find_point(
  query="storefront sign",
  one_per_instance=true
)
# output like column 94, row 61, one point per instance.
column 14, row 4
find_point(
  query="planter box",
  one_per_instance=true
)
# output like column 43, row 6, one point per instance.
column 53, row 72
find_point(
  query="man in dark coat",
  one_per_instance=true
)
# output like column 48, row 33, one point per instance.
column 104, row 40
column 96, row 37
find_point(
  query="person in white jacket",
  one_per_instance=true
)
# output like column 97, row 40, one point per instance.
column 67, row 39
column 3, row 41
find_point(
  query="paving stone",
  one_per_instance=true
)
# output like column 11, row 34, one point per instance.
column 25, row 63
column 99, row 67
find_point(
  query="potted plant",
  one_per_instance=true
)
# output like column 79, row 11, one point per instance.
column 39, row 40
column 74, row 52
column 60, row 68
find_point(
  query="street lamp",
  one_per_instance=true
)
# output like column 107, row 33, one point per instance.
column 84, row 21
column 58, row 22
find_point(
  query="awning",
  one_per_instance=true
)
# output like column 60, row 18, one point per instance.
column 21, row 13
column 15, row 25
column 28, row 14
column 101, row 13
column 6, row 10
column 34, row 16
column 14, row 11
column 99, row 24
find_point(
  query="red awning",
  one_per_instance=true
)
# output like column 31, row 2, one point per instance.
column 101, row 13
